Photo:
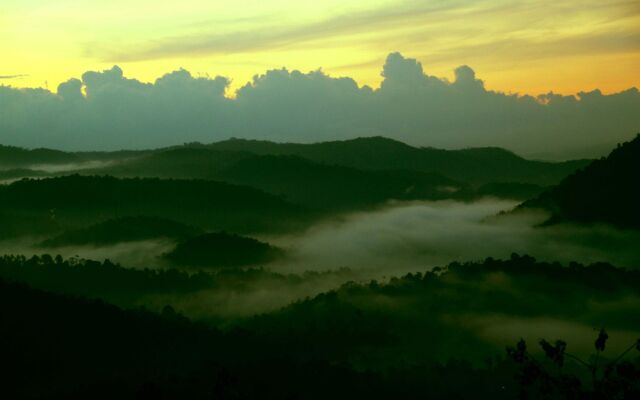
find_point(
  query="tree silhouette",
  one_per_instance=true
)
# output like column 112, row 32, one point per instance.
column 616, row 379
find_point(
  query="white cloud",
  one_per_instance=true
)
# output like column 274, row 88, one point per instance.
column 284, row 105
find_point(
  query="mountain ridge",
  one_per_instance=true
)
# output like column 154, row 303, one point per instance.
column 605, row 191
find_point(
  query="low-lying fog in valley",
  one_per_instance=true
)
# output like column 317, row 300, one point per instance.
column 402, row 237
column 39, row 171
column 390, row 241
column 409, row 237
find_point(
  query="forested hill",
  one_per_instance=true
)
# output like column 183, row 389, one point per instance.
column 428, row 315
column 299, row 180
column 15, row 157
column 475, row 165
column 337, row 187
column 60, row 347
column 606, row 191
column 76, row 201
column 123, row 229
column 379, row 339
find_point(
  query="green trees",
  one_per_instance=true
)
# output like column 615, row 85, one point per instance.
column 606, row 191
column 221, row 249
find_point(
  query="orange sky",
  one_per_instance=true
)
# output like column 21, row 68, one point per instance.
column 530, row 46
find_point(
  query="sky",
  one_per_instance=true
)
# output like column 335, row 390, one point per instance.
column 108, row 110
column 526, row 47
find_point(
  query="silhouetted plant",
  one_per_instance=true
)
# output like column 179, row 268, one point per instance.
column 615, row 379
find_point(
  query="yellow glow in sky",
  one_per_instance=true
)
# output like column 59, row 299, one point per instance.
column 533, row 46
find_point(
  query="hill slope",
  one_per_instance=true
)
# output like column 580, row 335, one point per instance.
column 60, row 347
column 123, row 229
column 16, row 157
column 478, row 165
column 330, row 186
column 297, row 179
column 606, row 191
column 79, row 201
column 220, row 249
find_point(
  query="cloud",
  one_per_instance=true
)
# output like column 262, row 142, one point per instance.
column 13, row 76
column 275, row 35
column 533, row 49
column 106, row 110
column 449, row 30
column 409, row 237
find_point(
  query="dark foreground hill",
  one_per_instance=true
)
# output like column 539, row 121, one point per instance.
column 58, row 347
column 78, row 201
column 606, row 191
column 377, row 340
column 450, row 312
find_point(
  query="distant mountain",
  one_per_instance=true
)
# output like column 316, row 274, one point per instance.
column 221, row 249
column 606, row 191
column 478, row 165
column 297, row 179
column 125, row 229
column 333, row 187
column 16, row 157
column 74, row 201
column 350, row 174
column 178, row 163
column 329, row 176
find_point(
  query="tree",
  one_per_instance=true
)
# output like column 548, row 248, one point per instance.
column 616, row 379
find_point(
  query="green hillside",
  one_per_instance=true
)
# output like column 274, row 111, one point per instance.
column 221, row 249
column 124, row 229
column 606, row 191
column 477, row 165
column 72, row 202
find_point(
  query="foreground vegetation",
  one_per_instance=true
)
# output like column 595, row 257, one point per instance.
column 397, row 339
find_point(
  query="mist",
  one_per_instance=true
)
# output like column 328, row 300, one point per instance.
column 410, row 237
column 138, row 254
column 61, row 168
column 39, row 171
column 396, row 239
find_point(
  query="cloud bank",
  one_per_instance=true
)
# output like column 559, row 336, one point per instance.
column 13, row 76
column 105, row 110
column 416, row 236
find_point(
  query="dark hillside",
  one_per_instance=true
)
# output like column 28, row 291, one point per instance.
column 16, row 157
column 606, row 191
column 79, row 201
column 125, row 229
column 479, row 165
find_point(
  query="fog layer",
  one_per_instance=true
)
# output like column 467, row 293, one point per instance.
column 409, row 237
column 391, row 241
